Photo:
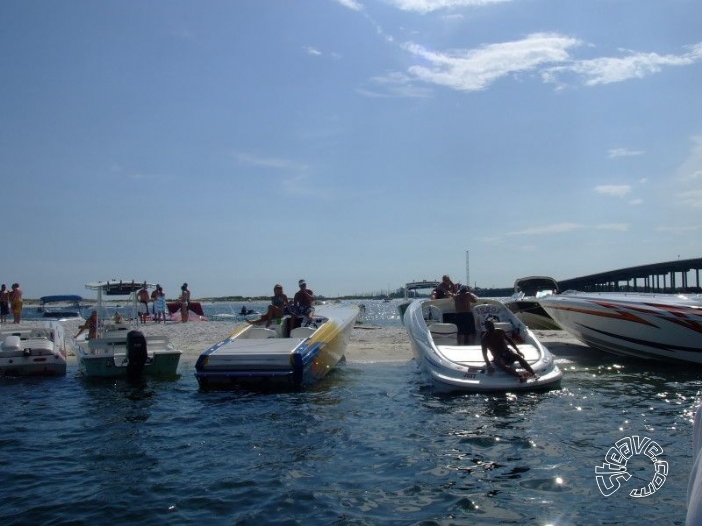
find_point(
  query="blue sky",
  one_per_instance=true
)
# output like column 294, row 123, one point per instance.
column 359, row 144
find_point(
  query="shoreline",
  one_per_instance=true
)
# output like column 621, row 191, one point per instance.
column 368, row 343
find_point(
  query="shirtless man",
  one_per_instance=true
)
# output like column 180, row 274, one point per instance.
column 143, row 297
column 303, row 302
column 465, row 322
column 496, row 340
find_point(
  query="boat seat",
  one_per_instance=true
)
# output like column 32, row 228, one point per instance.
column 444, row 333
column 302, row 332
column 259, row 333
column 11, row 343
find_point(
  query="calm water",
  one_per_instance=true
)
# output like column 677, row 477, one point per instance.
column 368, row 445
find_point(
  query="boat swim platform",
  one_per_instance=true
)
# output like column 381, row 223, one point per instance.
column 472, row 355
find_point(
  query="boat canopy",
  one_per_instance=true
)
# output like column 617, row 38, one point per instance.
column 118, row 287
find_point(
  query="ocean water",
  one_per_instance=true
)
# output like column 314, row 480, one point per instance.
column 370, row 444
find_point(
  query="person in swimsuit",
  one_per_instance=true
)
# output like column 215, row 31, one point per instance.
column 143, row 297
column 277, row 309
column 16, row 303
column 4, row 303
column 91, row 324
column 465, row 322
column 496, row 340
column 303, row 302
column 184, row 302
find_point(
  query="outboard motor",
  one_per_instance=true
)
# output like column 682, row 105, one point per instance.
column 136, row 354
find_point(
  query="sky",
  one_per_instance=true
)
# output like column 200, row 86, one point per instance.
column 358, row 144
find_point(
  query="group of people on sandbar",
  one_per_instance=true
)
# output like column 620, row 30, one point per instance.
column 494, row 339
column 302, row 305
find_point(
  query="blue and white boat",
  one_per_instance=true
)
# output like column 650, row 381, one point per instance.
column 280, row 355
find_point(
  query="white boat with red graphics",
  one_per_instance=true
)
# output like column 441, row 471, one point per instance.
column 662, row 327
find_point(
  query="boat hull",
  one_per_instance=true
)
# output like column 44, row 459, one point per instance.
column 248, row 359
column 645, row 326
column 108, row 357
column 33, row 351
column 449, row 367
column 532, row 314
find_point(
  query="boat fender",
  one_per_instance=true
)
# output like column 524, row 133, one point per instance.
column 136, row 354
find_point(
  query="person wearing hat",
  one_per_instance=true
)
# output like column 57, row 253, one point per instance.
column 465, row 321
column 303, row 302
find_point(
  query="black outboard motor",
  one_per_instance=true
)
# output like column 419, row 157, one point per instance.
column 136, row 354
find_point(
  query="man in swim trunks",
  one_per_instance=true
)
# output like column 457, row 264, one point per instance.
column 496, row 340
column 465, row 322
column 303, row 302
column 143, row 297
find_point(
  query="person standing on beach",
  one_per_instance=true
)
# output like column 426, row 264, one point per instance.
column 465, row 322
column 4, row 303
column 303, row 302
column 496, row 340
column 16, row 303
column 184, row 302
column 160, row 305
column 445, row 289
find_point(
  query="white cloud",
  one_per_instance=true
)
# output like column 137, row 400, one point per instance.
column 269, row 162
column 558, row 228
column 427, row 6
column 692, row 198
column 472, row 70
column 636, row 202
column 679, row 229
column 613, row 189
column 605, row 70
column 618, row 227
column 394, row 85
column 351, row 4
column 623, row 152
column 312, row 51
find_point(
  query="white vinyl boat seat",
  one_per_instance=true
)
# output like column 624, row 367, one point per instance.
column 11, row 343
column 259, row 333
column 302, row 332
column 444, row 333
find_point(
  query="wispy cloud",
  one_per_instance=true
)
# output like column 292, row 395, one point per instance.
column 623, row 152
column 427, row 6
column 618, row 227
column 393, row 85
column 312, row 51
column 476, row 69
column 634, row 65
column 351, row 4
column 613, row 189
column 679, row 229
column 268, row 162
column 558, row 228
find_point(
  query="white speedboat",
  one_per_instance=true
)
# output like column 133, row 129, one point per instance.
column 525, row 302
column 255, row 356
column 449, row 367
column 35, row 351
column 411, row 293
column 120, row 350
column 65, row 307
column 652, row 326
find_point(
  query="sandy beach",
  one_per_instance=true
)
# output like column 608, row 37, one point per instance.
column 368, row 343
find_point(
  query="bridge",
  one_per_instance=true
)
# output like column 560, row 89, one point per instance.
column 680, row 275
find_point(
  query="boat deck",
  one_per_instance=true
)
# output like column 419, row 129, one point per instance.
column 472, row 355
column 242, row 353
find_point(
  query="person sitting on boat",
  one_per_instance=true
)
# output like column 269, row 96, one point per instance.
column 496, row 340
column 277, row 309
column 465, row 322
column 118, row 317
column 445, row 289
column 303, row 302
column 91, row 324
